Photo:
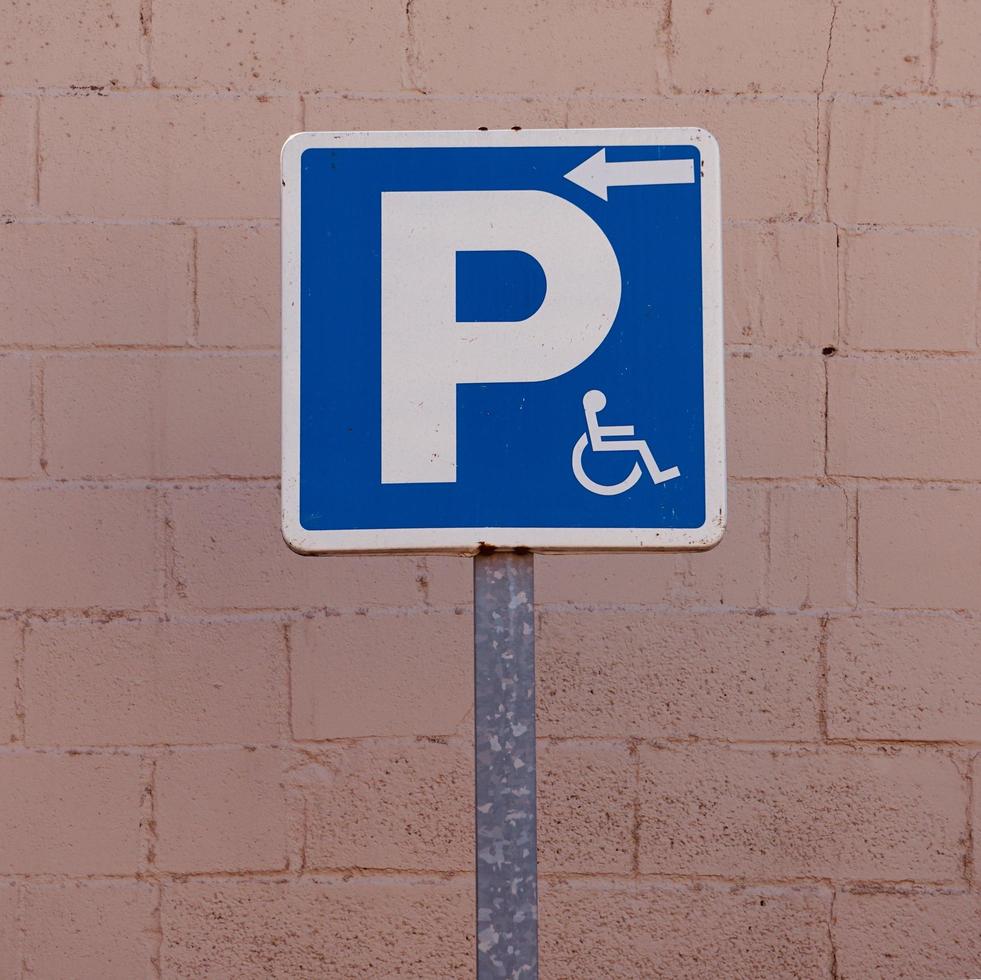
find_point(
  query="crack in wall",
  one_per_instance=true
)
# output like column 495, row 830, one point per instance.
column 934, row 46
column 195, row 302
column 157, row 932
column 20, row 700
column 823, row 669
column 637, row 815
column 969, row 869
column 827, row 54
column 37, row 153
column 823, row 147
column 410, row 65
column 148, row 814
column 833, row 965
column 144, row 73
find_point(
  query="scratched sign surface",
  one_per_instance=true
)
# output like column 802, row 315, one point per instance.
column 511, row 338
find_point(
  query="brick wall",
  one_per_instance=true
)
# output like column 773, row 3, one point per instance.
column 219, row 759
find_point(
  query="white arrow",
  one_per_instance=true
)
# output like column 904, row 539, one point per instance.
column 596, row 175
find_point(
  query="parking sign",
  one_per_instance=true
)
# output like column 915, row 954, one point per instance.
column 502, row 338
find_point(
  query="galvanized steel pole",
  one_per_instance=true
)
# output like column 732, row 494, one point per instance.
column 504, row 730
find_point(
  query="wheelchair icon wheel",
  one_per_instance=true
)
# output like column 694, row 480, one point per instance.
column 605, row 490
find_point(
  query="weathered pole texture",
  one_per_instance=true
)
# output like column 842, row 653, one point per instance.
column 504, row 723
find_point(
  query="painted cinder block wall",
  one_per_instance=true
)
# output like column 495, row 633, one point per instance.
column 219, row 759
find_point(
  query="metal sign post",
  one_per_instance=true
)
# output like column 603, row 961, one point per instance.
column 504, row 754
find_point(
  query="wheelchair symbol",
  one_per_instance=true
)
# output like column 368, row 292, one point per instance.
column 609, row 439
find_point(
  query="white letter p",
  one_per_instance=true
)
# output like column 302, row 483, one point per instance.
column 426, row 353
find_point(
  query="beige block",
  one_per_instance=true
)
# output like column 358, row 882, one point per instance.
column 163, row 415
column 561, row 48
column 16, row 415
column 11, row 644
column 781, row 284
column 77, row 43
column 910, row 291
column 128, row 683
column 163, row 156
column 355, row 676
column 70, row 814
column 611, row 579
column 383, row 927
column 911, row 678
column 898, row 418
column 907, row 936
column 958, row 26
column 448, row 579
column 10, row 935
column 879, row 47
column 18, row 154
column 775, row 415
column 89, row 931
column 78, row 547
column 812, row 558
column 702, row 932
column 919, row 548
column 355, row 45
column 404, row 804
column 67, row 285
column 238, row 286
column 586, row 799
column 221, row 810
column 886, row 165
column 763, row 812
column 653, row 675
column 771, row 46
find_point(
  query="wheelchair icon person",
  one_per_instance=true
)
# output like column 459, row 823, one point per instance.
column 613, row 439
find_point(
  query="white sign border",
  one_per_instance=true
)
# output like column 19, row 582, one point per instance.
column 469, row 540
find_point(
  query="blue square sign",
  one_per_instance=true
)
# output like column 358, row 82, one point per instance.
column 502, row 338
